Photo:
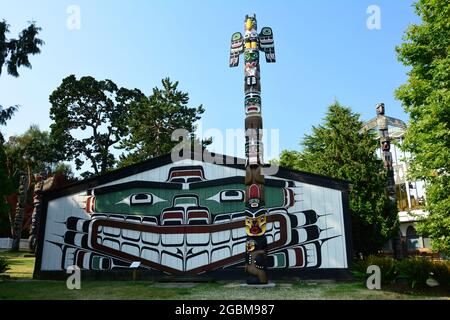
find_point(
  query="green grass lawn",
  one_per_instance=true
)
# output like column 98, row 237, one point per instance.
column 21, row 286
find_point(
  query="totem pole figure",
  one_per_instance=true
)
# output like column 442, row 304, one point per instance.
column 255, row 212
column 382, row 122
column 20, row 212
column 37, row 207
column 385, row 143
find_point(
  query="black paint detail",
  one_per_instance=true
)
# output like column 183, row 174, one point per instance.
column 71, row 223
column 137, row 184
column 313, row 232
column 218, row 182
column 69, row 237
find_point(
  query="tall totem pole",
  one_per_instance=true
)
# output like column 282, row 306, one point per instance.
column 385, row 144
column 381, row 121
column 255, row 212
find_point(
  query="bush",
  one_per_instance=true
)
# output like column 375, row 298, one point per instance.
column 3, row 265
column 387, row 268
column 441, row 273
column 416, row 271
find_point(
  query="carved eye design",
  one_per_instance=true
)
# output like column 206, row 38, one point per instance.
column 141, row 199
column 228, row 196
column 266, row 31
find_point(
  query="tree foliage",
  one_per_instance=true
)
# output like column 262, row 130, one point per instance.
column 339, row 149
column 30, row 152
column 6, row 188
column 99, row 110
column 153, row 120
column 15, row 54
column 426, row 98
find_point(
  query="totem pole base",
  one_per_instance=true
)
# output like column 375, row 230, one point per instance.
column 265, row 285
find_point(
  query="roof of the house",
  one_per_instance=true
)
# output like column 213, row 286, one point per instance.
column 153, row 163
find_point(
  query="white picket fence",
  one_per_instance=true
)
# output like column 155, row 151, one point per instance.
column 6, row 244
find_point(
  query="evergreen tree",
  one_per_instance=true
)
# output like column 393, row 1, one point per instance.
column 338, row 148
column 153, row 120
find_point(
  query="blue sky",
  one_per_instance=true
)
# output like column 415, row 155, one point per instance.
column 324, row 52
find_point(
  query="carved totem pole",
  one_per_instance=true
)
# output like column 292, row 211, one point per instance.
column 255, row 212
column 37, row 208
column 385, row 143
column 20, row 211
column 382, row 122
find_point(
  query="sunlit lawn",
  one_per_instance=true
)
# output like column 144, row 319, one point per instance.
column 21, row 286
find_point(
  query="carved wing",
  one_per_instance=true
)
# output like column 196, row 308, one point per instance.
column 266, row 44
column 237, row 47
column 396, row 123
column 369, row 125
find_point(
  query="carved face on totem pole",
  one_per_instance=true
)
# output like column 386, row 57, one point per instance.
column 380, row 109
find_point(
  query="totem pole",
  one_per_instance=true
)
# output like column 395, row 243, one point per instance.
column 20, row 211
column 385, row 143
column 382, row 122
column 255, row 212
column 37, row 208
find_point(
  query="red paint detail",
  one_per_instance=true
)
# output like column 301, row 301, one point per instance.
column 255, row 230
column 80, row 258
column 187, row 173
column 298, row 257
column 90, row 204
column 172, row 215
column 288, row 197
column 291, row 197
column 254, row 192
column 197, row 214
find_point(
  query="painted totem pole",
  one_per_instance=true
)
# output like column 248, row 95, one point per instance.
column 255, row 212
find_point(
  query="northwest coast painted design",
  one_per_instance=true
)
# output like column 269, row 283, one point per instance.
column 187, row 224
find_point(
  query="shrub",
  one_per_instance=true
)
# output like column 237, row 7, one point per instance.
column 441, row 273
column 415, row 270
column 387, row 268
column 3, row 265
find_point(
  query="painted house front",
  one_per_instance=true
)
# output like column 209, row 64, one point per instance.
column 186, row 218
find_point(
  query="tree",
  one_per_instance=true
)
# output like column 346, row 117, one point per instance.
column 15, row 54
column 27, row 154
column 98, row 106
column 31, row 152
column 339, row 149
column 153, row 120
column 426, row 98
column 6, row 188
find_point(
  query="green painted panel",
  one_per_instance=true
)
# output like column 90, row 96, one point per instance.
column 110, row 202
column 96, row 262
column 281, row 259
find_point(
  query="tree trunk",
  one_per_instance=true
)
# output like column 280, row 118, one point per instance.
column 20, row 212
